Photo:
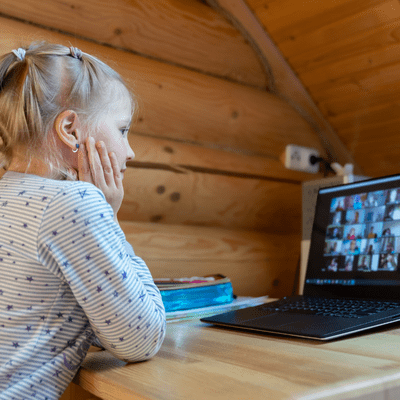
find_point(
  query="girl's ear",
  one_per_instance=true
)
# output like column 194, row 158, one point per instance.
column 67, row 126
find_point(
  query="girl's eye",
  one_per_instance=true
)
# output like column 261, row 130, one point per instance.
column 124, row 131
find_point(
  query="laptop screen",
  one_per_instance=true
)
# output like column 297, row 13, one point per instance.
column 355, row 242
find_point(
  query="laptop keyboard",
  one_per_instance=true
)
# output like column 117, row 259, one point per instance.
column 344, row 308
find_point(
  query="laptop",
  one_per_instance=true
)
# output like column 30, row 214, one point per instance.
column 352, row 282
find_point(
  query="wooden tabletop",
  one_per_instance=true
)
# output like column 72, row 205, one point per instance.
column 201, row 361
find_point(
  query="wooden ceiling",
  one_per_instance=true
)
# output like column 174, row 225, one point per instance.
column 346, row 53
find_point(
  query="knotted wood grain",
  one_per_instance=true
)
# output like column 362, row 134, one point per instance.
column 193, row 198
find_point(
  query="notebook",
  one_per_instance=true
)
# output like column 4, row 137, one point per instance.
column 352, row 281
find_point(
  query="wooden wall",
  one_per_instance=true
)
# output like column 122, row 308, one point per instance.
column 207, row 192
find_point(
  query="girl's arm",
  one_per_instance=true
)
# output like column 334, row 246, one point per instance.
column 81, row 244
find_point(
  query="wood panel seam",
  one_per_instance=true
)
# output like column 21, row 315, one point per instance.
column 209, row 145
column 239, row 26
column 184, row 169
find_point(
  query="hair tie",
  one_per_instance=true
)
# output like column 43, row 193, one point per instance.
column 20, row 53
column 76, row 53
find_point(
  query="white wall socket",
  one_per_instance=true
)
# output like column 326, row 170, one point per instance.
column 298, row 158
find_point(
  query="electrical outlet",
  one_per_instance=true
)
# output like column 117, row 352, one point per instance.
column 298, row 158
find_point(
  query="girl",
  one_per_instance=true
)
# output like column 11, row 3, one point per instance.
column 68, row 275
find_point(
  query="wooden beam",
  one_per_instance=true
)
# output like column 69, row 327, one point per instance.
column 181, row 32
column 175, row 156
column 284, row 81
column 177, row 242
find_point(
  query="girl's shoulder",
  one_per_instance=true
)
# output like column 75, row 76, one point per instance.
column 77, row 191
column 78, row 199
column 48, row 190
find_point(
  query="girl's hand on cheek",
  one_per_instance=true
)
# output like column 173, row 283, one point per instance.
column 96, row 166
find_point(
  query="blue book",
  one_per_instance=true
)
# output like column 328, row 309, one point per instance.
column 189, row 293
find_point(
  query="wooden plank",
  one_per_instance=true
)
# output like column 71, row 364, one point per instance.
column 196, row 243
column 335, row 26
column 287, row 20
column 382, row 52
column 219, row 114
column 368, row 91
column 172, row 155
column 364, row 82
column 377, row 34
column 176, row 31
column 210, row 200
column 185, row 105
column 285, row 81
column 366, row 118
column 268, row 261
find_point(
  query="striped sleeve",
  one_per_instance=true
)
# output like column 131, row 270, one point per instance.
column 80, row 243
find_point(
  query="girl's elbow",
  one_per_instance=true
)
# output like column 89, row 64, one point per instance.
column 149, row 348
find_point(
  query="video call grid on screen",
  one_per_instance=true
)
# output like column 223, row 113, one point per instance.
column 363, row 232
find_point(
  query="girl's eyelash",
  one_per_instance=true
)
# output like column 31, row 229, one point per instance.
column 124, row 131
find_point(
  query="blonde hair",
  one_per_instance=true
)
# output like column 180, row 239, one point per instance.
column 39, row 82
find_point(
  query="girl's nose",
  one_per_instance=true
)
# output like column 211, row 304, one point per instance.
column 130, row 155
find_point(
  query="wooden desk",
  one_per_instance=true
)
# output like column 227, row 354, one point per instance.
column 200, row 361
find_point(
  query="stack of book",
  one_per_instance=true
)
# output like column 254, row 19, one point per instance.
column 195, row 292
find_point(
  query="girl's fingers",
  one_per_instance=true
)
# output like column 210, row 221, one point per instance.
column 106, row 163
column 96, row 166
column 95, row 163
column 116, row 170
column 83, row 165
